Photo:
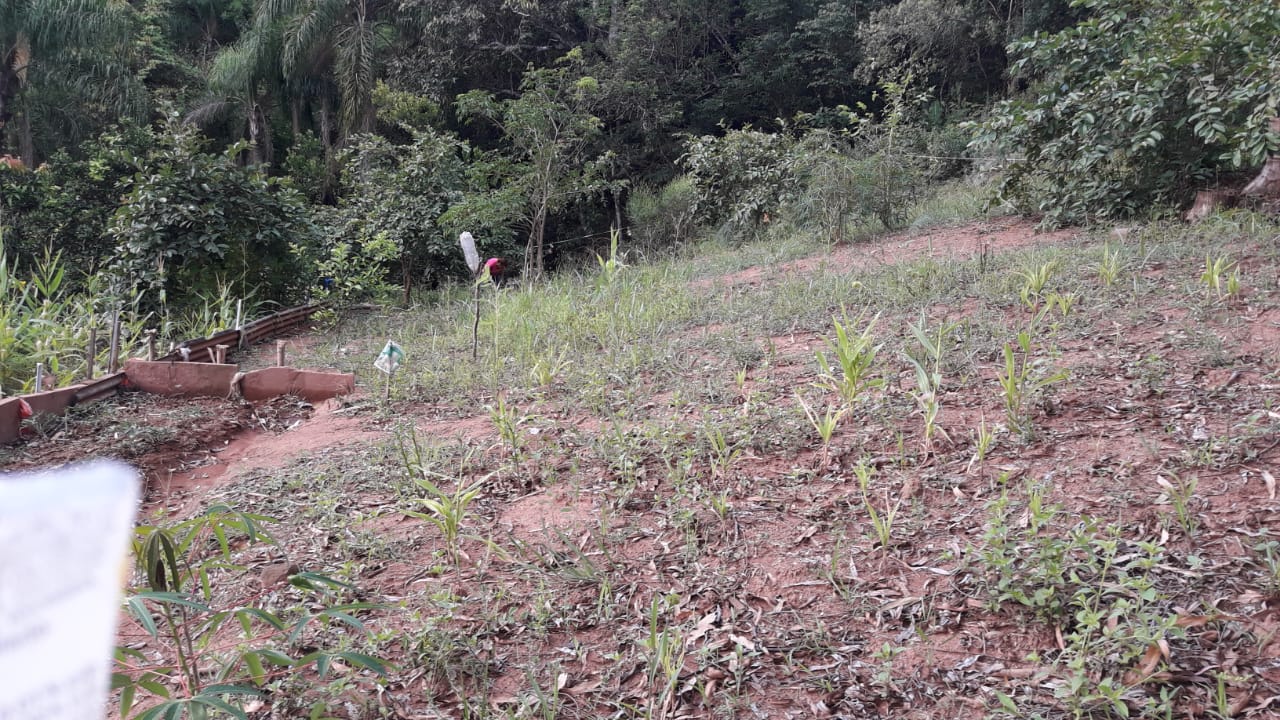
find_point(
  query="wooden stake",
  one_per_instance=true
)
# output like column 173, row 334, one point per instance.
column 151, row 344
column 386, row 393
column 475, row 327
column 280, row 353
column 114, row 359
column 91, row 352
column 220, row 356
column 39, row 377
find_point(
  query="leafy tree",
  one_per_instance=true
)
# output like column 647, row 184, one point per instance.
column 740, row 179
column 68, row 204
column 551, row 129
column 63, row 65
column 449, row 47
column 1138, row 105
column 399, row 192
column 192, row 219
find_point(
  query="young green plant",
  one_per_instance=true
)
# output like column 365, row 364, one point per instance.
column 855, row 354
column 881, row 521
column 1221, row 276
column 1022, row 378
column 181, row 564
column 928, row 369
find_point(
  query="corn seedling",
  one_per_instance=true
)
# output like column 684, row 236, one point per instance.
column 1221, row 276
column 611, row 268
column 983, row 439
column 176, row 607
column 1109, row 266
column 1270, row 552
column 506, row 422
column 447, row 510
column 723, row 453
column 881, row 522
column 928, row 369
column 666, row 652
column 1063, row 302
column 547, row 368
column 855, row 356
column 824, row 424
column 1034, row 282
column 1021, row 379
column 1180, row 493
column 720, row 505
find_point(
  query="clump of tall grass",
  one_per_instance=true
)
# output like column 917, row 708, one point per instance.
column 41, row 321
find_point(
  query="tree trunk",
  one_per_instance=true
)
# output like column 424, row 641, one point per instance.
column 295, row 116
column 538, row 238
column 8, row 90
column 26, row 140
column 406, row 273
column 617, row 211
column 1209, row 201
column 1267, row 184
column 615, row 20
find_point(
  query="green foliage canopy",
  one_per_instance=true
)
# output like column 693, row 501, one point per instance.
column 191, row 216
column 1139, row 105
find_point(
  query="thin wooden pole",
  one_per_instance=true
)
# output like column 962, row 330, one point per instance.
column 91, row 352
column 114, row 360
column 475, row 327
column 280, row 353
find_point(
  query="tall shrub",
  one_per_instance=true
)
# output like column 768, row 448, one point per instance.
column 1139, row 105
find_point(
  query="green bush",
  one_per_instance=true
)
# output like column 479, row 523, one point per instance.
column 664, row 217
column 193, row 221
column 1138, row 106
column 67, row 203
column 740, row 178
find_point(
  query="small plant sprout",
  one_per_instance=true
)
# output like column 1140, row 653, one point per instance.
column 1180, row 493
column 881, row 522
column 1063, row 302
column 1221, row 276
column 547, row 368
column 983, row 439
column 824, row 424
column 723, row 453
column 1021, row 379
column 855, row 356
column 666, row 654
column 611, row 268
column 447, row 510
column 928, row 369
column 1034, row 282
column 1109, row 265
column 507, row 423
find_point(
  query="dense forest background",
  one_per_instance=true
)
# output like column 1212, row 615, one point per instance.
column 182, row 150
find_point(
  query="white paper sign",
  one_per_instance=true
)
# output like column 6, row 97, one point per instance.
column 63, row 543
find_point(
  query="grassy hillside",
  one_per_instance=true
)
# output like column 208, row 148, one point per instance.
column 1034, row 479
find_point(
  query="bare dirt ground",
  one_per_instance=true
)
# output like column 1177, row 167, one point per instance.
column 634, row 564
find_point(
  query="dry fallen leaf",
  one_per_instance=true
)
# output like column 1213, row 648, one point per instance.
column 1270, row 480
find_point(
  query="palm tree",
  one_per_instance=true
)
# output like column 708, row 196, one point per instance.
column 246, row 78
column 346, row 38
column 62, row 67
